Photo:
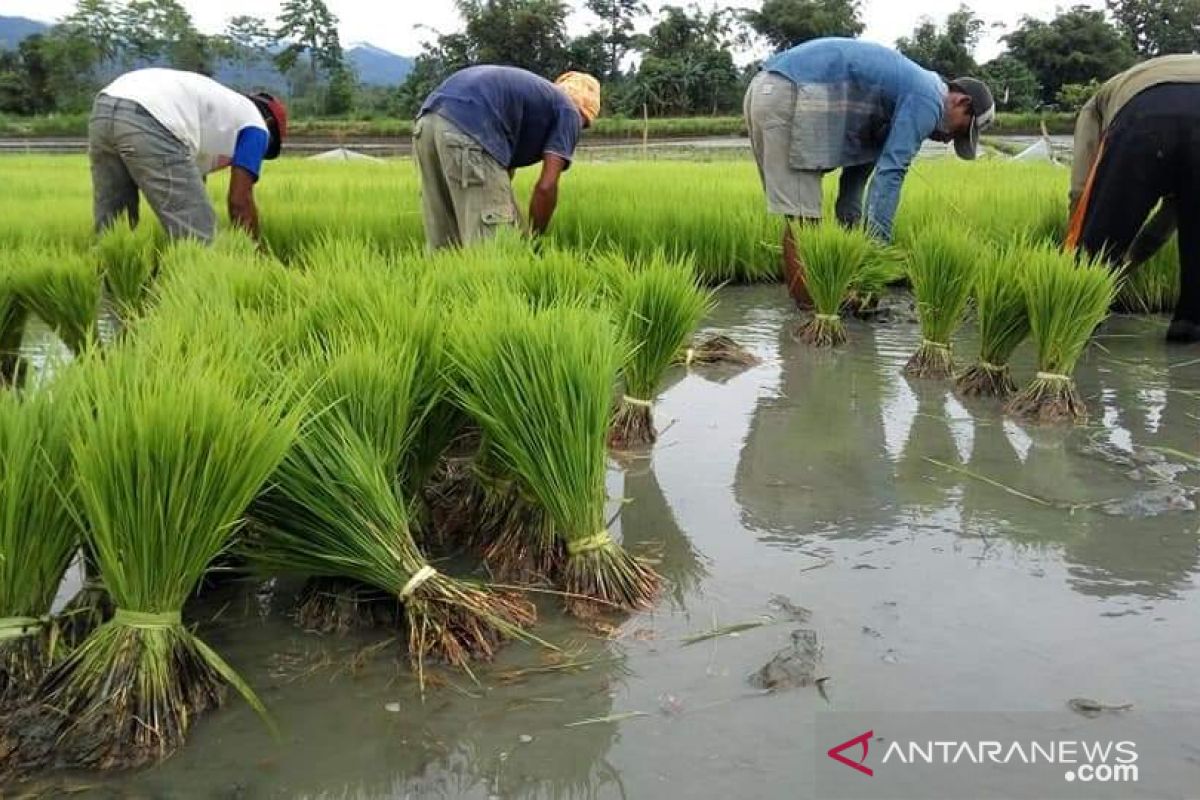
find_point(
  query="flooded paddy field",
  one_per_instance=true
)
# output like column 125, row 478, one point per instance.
column 936, row 555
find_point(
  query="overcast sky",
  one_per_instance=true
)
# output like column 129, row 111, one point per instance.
column 397, row 26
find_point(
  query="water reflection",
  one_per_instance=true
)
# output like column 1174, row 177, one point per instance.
column 648, row 525
column 811, row 461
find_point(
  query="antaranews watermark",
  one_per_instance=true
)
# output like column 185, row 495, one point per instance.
column 1041, row 756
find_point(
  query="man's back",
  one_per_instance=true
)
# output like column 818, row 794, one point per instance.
column 200, row 112
column 515, row 115
column 864, row 65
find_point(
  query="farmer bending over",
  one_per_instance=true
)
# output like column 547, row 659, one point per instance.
column 481, row 125
column 1138, row 142
column 861, row 107
column 162, row 131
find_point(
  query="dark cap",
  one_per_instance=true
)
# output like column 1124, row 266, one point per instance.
column 983, row 111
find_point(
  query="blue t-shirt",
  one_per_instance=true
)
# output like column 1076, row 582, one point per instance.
column 516, row 116
column 250, row 149
column 855, row 92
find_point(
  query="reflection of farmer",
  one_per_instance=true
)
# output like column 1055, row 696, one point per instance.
column 1137, row 142
column 161, row 131
column 860, row 107
column 479, row 126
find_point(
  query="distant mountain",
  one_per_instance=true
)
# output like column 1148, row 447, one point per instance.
column 14, row 29
column 378, row 67
column 373, row 65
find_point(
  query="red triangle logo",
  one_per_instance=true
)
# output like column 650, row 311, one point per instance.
column 863, row 740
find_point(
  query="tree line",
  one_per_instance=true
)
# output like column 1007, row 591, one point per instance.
column 678, row 62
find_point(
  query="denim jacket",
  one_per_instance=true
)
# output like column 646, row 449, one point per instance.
column 860, row 103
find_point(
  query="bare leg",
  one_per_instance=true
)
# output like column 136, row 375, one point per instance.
column 794, row 271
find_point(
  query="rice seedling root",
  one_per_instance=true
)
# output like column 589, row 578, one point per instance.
column 341, row 605
column 822, row 330
column 26, row 650
column 453, row 622
column 932, row 360
column 602, row 577
column 718, row 349
column 1050, row 399
column 633, row 425
column 983, row 379
column 123, row 699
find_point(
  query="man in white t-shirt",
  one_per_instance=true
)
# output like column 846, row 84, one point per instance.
column 161, row 131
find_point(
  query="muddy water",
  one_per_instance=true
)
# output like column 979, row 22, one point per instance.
column 805, row 477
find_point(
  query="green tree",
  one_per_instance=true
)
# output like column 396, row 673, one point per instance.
column 339, row 96
column 687, row 66
column 591, row 53
column 619, row 17
column 96, row 23
column 1015, row 86
column 248, row 40
column 1072, row 96
column 531, row 34
column 947, row 50
column 154, row 29
column 1077, row 46
column 1158, row 27
column 787, row 23
column 308, row 27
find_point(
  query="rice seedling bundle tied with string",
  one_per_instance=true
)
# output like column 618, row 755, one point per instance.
column 941, row 266
column 1003, row 323
column 657, row 305
column 167, row 455
column 38, row 535
column 833, row 256
column 335, row 509
column 1066, row 299
column 539, row 384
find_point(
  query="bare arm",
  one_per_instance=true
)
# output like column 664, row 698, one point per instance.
column 545, row 193
column 243, row 213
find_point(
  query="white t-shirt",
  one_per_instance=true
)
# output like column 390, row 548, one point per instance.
column 202, row 113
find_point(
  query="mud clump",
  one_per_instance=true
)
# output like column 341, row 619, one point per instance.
column 793, row 667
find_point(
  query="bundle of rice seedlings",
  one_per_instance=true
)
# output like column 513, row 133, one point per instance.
column 1066, row 301
column 12, row 320
column 834, row 256
column 883, row 267
column 335, row 511
column 539, row 385
column 941, row 268
column 717, row 349
column 167, row 453
column 1003, row 324
column 127, row 260
column 38, row 536
column 1153, row 288
column 62, row 287
column 657, row 306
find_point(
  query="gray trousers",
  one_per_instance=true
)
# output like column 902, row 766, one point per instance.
column 770, row 109
column 129, row 151
column 466, row 195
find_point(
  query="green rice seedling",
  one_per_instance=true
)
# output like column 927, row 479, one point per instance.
column 1003, row 323
column 38, row 535
column 941, row 267
column 167, row 454
column 884, row 267
column 1066, row 301
column 1154, row 287
column 657, row 306
column 833, row 256
column 335, row 510
column 63, row 288
column 12, row 320
column 128, row 263
column 539, row 385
